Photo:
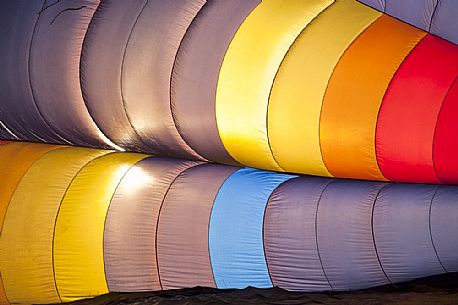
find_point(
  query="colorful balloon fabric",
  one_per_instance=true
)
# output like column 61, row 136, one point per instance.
column 331, row 88
column 81, row 222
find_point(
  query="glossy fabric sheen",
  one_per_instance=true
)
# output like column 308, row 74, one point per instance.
column 79, row 230
column 444, row 21
column 297, row 94
column 236, row 229
column 347, row 130
column 248, row 72
column 290, row 236
column 408, row 116
column 147, row 72
column 196, row 70
column 27, row 236
column 182, row 233
column 131, row 223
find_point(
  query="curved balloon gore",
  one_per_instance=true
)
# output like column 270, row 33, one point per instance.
column 290, row 235
column 377, row 4
column 236, row 229
column 442, row 219
column 27, row 235
column 79, row 227
column 101, row 65
column 147, row 71
column 445, row 147
column 409, row 114
column 401, row 225
column 344, row 235
column 248, row 73
column 55, row 53
column 131, row 223
column 444, row 22
column 19, row 157
column 347, row 130
column 416, row 12
column 196, row 70
column 182, row 243
column 296, row 98
column 19, row 115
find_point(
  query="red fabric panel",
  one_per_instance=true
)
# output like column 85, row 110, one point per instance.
column 3, row 142
column 445, row 139
column 408, row 116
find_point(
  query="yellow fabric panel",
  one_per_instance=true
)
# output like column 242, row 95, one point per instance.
column 300, row 84
column 27, row 237
column 15, row 160
column 355, row 93
column 78, row 241
column 248, row 72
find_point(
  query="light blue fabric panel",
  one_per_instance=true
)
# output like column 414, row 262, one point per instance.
column 236, row 229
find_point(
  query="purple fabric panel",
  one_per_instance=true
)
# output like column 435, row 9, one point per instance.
column 196, row 71
column 401, row 232
column 54, row 70
column 290, row 236
column 130, row 228
column 444, row 226
column 344, row 235
column 445, row 18
column 18, row 112
column 101, row 62
column 416, row 12
column 182, row 236
column 377, row 4
column 147, row 73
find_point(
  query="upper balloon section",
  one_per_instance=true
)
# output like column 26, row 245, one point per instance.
column 324, row 87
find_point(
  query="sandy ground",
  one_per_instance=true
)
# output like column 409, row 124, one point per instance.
column 432, row 291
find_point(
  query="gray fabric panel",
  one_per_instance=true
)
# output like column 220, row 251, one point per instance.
column 290, row 237
column 130, row 228
column 416, row 12
column 182, row 236
column 18, row 112
column 444, row 23
column 344, row 235
column 377, row 4
column 401, row 232
column 196, row 71
column 101, row 61
column 54, row 70
column 147, row 73
column 444, row 226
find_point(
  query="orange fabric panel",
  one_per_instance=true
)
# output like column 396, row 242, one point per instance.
column 15, row 160
column 354, row 95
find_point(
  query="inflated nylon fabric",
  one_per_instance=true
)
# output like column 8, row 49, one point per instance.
column 445, row 150
column 131, row 224
column 444, row 20
column 147, row 72
column 196, row 70
column 57, row 43
column 402, row 234
column 101, row 64
column 377, row 4
column 416, row 12
column 344, row 235
column 409, row 113
column 360, row 79
column 18, row 112
column 27, row 235
column 290, row 236
column 236, row 229
column 182, row 233
column 248, row 72
column 16, row 158
column 300, row 84
column 444, row 226
column 78, row 236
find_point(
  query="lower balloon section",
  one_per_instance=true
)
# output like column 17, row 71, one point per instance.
column 82, row 222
